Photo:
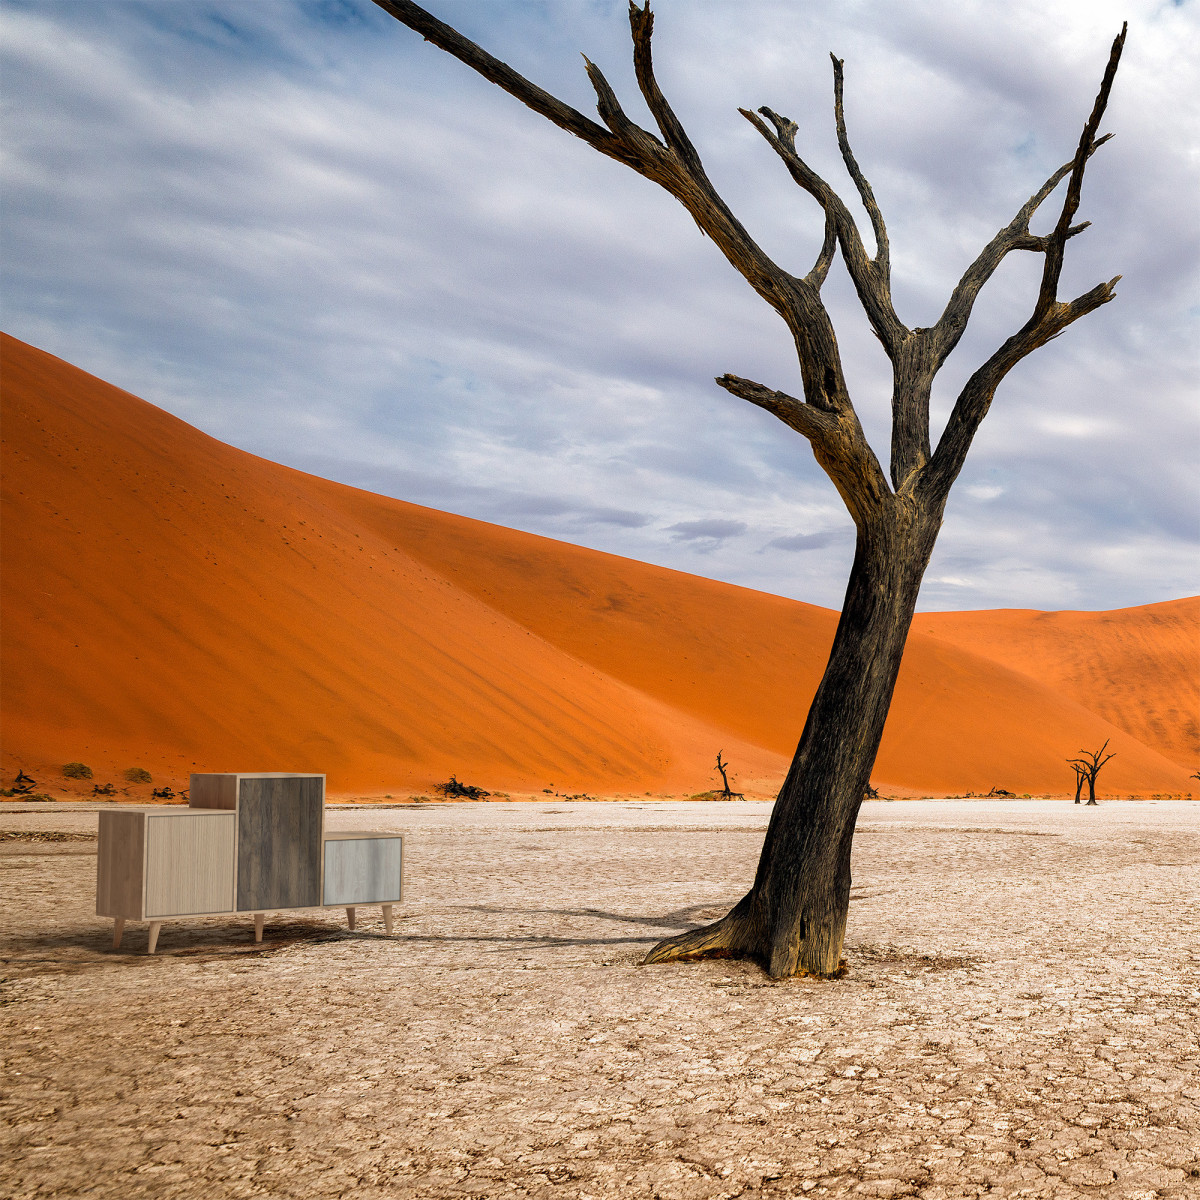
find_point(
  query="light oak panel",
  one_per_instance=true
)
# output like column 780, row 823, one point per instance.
column 189, row 863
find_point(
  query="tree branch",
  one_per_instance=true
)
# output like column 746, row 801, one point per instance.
column 675, row 167
column 803, row 418
column 632, row 136
column 501, row 74
column 872, row 289
column 945, row 335
column 976, row 396
column 882, row 251
column 1047, row 297
column 837, row 440
column 820, row 270
column 1050, row 316
column 641, row 25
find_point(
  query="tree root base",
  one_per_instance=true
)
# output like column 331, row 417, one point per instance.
column 679, row 950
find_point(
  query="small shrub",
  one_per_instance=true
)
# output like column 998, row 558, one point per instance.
column 138, row 775
column 77, row 771
column 453, row 788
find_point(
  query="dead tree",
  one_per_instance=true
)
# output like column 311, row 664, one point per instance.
column 723, row 767
column 24, row 784
column 1080, row 776
column 794, row 917
column 1088, row 767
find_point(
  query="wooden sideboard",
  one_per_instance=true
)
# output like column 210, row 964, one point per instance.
column 246, row 843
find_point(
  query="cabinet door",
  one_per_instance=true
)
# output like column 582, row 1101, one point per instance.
column 189, row 864
column 280, row 823
column 363, row 870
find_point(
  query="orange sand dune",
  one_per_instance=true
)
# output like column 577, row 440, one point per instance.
column 174, row 603
column 1138, row 668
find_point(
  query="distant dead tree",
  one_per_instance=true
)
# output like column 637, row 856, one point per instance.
column 1088, row 767
column 726, row 792
column 1080, row 776
column 24, row 784
column 793, row 919
column 721, row 767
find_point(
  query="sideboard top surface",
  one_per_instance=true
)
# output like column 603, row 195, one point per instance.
column 257, row 775
column 359, row 835
column 169, row 810
column 220, row 789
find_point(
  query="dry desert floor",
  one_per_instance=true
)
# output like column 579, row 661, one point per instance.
column 1020, row 1017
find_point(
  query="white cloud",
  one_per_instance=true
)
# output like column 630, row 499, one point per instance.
column 984, row 491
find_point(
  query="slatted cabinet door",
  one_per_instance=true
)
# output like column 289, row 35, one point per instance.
column 189, row 863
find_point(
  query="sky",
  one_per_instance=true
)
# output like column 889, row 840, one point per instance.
column 303, row 230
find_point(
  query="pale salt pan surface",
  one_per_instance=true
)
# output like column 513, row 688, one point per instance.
column 1021, row 1017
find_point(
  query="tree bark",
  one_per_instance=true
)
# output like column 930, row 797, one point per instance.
column 793, row 920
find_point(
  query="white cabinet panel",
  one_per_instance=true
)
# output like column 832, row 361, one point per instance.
column 363, row 868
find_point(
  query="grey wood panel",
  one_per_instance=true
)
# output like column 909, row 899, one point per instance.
column 120, row 859
column 212, row 791
column 363, row 869
column 190, row 863
column 280, row 822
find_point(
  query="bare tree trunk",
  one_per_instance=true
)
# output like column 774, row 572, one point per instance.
column 794, row 918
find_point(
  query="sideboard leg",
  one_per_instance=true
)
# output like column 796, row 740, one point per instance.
column 155, row 926
column 259, row 919
column 118, row 929
column 387, row 918
column 350, row 917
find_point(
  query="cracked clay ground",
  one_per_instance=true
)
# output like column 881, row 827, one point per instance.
column 1021, row 1017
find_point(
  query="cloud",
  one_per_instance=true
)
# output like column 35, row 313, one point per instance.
column 309, row 233
column 714, row 530
column 802, row 541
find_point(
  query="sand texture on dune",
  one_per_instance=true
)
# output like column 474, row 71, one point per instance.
column 1138, row 668
column 175, row 603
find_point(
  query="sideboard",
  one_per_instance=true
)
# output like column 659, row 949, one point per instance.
column 248, row 842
